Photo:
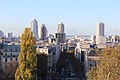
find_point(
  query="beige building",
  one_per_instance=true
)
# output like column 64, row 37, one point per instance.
column 100, row 38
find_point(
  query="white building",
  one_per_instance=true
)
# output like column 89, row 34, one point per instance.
column 9, row 35
column 34, row 27
column 87, row 55
column 100, row 38
column 53, row 53
column 92, row 39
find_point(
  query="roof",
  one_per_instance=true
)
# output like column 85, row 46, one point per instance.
column 92, row 53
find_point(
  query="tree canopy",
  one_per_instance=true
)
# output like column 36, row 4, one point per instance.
column 27, row 56
column 109, row 65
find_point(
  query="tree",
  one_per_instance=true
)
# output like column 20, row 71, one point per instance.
column 92, row 74
column 42, row 61
column 27, row 56
column 109, row 65
column 8, row 70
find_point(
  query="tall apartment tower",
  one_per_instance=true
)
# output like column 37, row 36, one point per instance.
column 60, row 28
column 100, row 38
column 34, row 28
column 60, row 35
column 43, row 32
column 100, row 29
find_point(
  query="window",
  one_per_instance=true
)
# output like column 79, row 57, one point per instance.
column 90, row 65
column 11, row 54
column 5, row 54
column 5, row 59
column 11, row 59
column 6, row 50
column 95, row 64
column 16, row 59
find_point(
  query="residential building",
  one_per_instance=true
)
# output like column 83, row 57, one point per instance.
column 10, row 52
column 53, row 53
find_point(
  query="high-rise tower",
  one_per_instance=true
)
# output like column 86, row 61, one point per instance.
column 100, row 29
column 60, row 35
column 100, row 39
column 43, row 32
column 60, row 28
column 34, row 28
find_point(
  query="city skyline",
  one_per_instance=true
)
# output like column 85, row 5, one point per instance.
column 79, row 17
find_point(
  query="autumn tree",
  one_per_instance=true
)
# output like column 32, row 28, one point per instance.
column 109, row 65
column 92, row 74
column 27, row 56
column 8, row 70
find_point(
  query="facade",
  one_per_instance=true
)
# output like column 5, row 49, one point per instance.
column 87, row 55
column 10, row 52
column 60, row 37
column 1, row 54
column 53, row 53
column 91, row 60
column 92, row 39
column 43, row 32
column 9, row 35
column 100, row 38
column 34, row 28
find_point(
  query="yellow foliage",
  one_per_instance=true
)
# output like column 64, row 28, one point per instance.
column 27, row 56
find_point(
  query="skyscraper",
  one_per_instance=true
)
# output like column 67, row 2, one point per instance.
column 60, row 35
column 60, row 28
column 43, row 32
column 100, row 38
column 34, row 28
column 100, row 29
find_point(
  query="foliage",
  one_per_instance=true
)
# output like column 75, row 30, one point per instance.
column 42, row 64
column 69, row 56
column 8, row 71
column 109, row 65
column 92, row 74
column 27, row 56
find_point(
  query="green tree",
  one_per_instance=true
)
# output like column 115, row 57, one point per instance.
column 27, row 56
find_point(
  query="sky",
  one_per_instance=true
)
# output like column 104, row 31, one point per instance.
column 79, row 16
